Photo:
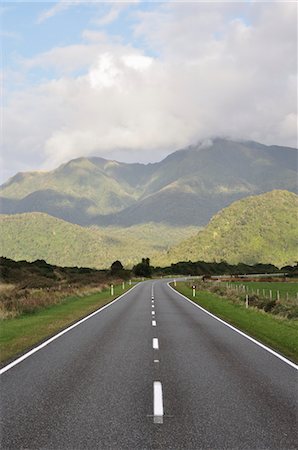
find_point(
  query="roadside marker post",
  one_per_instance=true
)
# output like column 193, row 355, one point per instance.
column 194, row 291
column 112, row 289
column 270, row 294
column 174, row 282
column 277, row 296
column 246, row 301
column 129, row 282
column 123, row 285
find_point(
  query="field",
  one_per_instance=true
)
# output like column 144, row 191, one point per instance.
column 275, row 331
column 283, row 290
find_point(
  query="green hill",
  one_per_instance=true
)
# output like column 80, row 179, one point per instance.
column 186, row 188
column 34, row 236
column 257, row 229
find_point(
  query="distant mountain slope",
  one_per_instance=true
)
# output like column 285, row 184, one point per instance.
column 257, row 229
column 186, row 188
column 34, row 236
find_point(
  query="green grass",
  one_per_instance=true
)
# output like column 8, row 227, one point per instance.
column 19, row 334
column 283, row 288
column 278, row 333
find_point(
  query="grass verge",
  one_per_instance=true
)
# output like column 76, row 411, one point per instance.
column 25, row 331
column 278, row 333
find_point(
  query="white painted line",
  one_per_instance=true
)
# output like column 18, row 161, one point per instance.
column 53, row 338
column 155, row 343
column 157, row 402
column 156, row 360
column 153, row 313
column 154, row 323
column 152, row 306
column 282, row 358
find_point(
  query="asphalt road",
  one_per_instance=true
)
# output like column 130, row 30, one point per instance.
column 92, row 388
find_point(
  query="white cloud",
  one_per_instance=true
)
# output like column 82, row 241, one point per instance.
column 111, row 16
column 220, row 71
column 51, row 12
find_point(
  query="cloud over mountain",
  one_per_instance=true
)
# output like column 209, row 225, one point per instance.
column 188, row 72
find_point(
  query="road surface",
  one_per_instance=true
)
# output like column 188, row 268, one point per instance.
column 150, row 374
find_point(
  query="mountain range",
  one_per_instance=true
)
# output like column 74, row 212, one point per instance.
column 186, row 188
column 261, row 228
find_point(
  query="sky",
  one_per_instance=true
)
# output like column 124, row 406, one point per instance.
column 135, row 81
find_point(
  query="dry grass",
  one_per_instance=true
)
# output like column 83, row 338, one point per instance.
column 28, row 287
column 15, row 301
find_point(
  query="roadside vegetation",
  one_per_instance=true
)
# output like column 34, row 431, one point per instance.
column 275, row 326
column 20, row 333
column 38, row 300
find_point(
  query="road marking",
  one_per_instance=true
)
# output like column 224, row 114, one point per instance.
column 157, row 402
column 156, row 360
column 153, row 313
column 154, row 323
column 152, row 306
column 53, row 338
column 155, row 343
column 264, row 347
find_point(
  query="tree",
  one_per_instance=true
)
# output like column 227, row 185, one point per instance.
column 143, row 269
column 116, row 268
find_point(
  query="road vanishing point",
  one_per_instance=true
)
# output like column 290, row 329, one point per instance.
column 150, row 371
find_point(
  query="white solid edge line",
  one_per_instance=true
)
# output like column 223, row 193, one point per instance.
column 278, row 355
column 53, row 338
column 155, row 343
column 157, row 399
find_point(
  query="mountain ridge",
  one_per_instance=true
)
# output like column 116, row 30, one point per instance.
column 197, row 181
column 256, row 229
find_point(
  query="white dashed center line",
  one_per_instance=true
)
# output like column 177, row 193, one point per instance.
column 154, row 323
column 153, row 313
column 155, row 343
column 157, row 402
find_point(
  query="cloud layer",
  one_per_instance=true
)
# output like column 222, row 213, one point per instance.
column 208, row 70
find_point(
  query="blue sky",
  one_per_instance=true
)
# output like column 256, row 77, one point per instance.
column 25, row 33
column 135, row 81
